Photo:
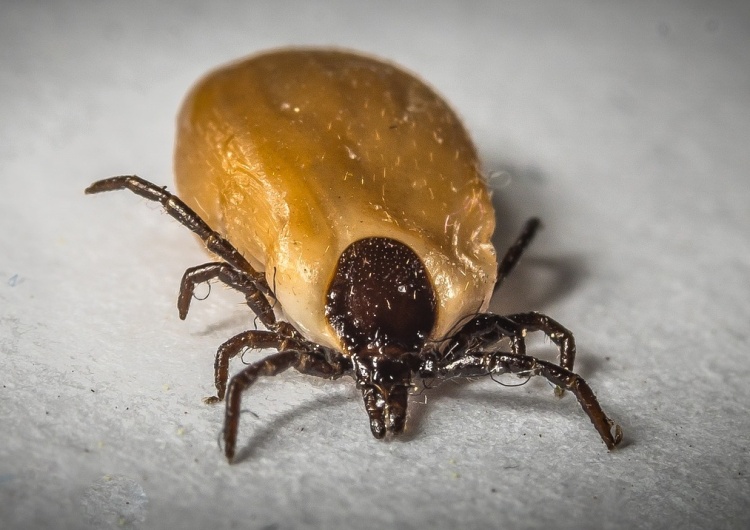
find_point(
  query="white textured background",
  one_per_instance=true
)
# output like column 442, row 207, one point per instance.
column 624, row 125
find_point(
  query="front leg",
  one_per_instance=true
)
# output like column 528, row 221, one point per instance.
column 556, row 332
column 484, row 331
column 307, row 362
column 499, row 363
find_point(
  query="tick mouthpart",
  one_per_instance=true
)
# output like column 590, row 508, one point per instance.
column 385, row 382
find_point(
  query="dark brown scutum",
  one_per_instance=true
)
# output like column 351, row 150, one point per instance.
column 381, row 297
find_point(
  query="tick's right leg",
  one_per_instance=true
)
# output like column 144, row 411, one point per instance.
column 306, row 362
column 247, row 340
column 232, row 277
column 184, row 214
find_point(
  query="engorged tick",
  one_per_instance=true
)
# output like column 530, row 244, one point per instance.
column 384, row 276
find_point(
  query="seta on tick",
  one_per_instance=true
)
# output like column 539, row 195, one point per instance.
column 343, row 197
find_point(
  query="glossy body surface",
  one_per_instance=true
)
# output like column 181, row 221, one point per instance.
column 293, row 155
column 342, row 197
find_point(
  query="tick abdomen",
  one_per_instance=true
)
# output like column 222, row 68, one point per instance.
column 294, row 155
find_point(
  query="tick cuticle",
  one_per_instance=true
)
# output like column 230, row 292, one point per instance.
column 342, row 197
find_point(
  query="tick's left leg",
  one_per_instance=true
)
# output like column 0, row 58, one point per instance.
column 514, row 253
column 498, row 363
column 557, row 333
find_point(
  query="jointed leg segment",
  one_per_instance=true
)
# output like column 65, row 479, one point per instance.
column 252, row 339
column 484, row 331
column 185, row 215
column 305, row 362
column 499, row 363
column 232, row 277
column 513, row 254
column 557, row 333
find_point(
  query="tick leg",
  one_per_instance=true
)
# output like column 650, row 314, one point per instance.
column 484, row 331
column 610, row 432
column 515, row 251
column 252, row 339
column 305, row 362
column 557, row 333
column 182, row 212
column 232, row 277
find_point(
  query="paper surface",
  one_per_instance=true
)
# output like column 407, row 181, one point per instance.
column 624, row 126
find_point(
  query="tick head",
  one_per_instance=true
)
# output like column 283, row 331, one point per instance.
column 384, row 382
column 381, row 305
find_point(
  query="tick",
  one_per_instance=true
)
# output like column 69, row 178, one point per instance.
column 343, row 197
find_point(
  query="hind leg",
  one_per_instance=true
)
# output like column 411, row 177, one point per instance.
column 180, row 211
